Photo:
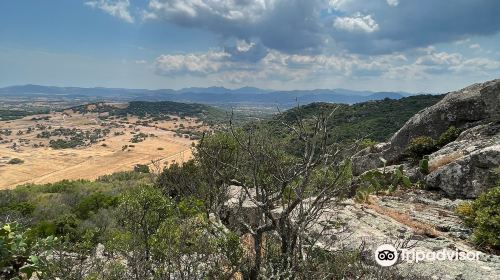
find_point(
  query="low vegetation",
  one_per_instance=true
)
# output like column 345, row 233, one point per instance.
column 381, row 181
column 15, row 161
column 375, row 120
column 161, row 110
column 7, row 115
column 182, row 223
column 421, row 146
column 483, row 216
column 424, row 145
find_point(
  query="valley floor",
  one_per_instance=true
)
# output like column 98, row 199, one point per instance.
column 112, row 153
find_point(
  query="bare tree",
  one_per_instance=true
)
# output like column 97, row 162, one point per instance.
column 289, row 191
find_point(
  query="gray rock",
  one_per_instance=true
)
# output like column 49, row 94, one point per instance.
column 241, row 209
column 473, row 105
column 467, row 176
column 463, row 168
column 466, row 167
column 369, row 229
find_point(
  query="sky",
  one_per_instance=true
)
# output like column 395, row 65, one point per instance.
column 379, row 45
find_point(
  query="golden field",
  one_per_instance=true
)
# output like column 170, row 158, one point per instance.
column 113, row 152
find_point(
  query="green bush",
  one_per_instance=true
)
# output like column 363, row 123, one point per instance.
column 141, row 168
column 121, row 176
column 448, row 136
column 18, row 253
column 483, row 215
column 61, row 186
column 44, row 229
column 376, row 181
column 94, row 202
column 424, row 166
column 367, row 143
column 421, row 146
column 25, row 208
column 15, row 161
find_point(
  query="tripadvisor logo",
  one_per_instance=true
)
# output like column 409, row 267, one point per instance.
column 388, row 255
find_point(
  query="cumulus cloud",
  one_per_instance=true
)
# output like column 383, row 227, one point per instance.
column 116, row 8
column 278, row 66
column 306, row 40
column 414, row 24
column 439, row 58
column 200, row 64
column 356, row 23
column 393, row 2
column 290, row 26
column 246, row 51
column 194, row 11
column 305, row 26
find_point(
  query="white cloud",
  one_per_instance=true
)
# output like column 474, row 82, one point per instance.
column 232, row 10
column 275, row 66
column 305, row 26
column 356, row 23
column 194, row 63
column 439, row 58
column 116, row 8
column 477, row 64
column 475, row 46
column 141, row 61
column 393, row 2
column 338, row 4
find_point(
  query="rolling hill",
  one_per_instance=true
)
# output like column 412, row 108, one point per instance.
column 375, row 120
column 217, row 96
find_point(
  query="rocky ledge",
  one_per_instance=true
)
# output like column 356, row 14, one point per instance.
column 463, row 168
column 417, row 220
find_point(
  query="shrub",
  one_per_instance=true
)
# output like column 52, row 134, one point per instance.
column 421, row 146
column 424, row 166
column 141, row 168
column 483, row 215
column 121, row 176
column 94, row 202
column 18, row 258
column 375, row 181
column 60, row 187
column 448, row 136
column 25, row 208
column 15, row 161
column 365, row 143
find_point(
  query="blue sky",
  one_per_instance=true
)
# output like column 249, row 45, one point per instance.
column 410, row 45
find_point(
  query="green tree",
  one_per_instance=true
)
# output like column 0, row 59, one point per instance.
column 19, row 254
column 163, row 239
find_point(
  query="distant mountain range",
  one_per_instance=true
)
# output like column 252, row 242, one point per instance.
column 218, row 96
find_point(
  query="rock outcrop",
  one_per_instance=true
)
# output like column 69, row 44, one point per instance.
column 366, row 227
column 467, row 167
column 463, row 168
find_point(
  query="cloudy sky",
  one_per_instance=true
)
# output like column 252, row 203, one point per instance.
column 409, row 45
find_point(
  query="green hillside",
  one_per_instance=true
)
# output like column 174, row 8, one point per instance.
column 157, row 110
column 376, row 120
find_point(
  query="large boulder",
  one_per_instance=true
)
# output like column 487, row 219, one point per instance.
column 463, row 168
column 473, row 105
column 468, row 166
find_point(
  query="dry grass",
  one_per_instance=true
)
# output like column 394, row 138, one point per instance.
column 443, row 160
column 419, row 207
column 403, row 218
column 46, row 165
